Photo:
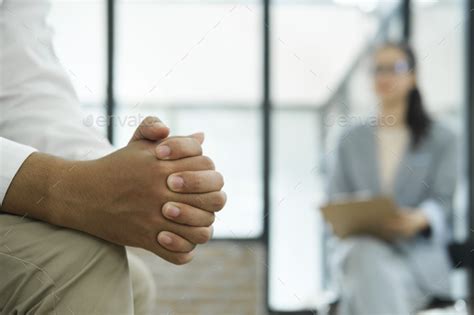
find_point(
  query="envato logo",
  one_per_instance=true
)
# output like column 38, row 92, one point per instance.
column 351, row 120
column 119, row 120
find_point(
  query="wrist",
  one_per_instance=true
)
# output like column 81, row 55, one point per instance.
column 30, row 191
column 72, row 194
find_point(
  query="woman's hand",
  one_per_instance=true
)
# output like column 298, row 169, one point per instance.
column 405, row 224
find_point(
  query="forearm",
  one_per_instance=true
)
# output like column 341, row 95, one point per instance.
column 38, row 190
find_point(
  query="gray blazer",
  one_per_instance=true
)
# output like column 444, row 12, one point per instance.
column 426, row 179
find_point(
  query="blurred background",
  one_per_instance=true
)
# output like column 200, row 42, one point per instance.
column 268, row 81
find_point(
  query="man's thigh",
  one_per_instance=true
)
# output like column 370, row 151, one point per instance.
column 47, row 269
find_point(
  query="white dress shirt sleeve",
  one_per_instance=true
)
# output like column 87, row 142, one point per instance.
column 12, row 156
column 38, row 106
column 37, row 101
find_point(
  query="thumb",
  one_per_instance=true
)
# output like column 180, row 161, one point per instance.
column 151, row 128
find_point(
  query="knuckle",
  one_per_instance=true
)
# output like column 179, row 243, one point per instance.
column 154, row 217
column 182, row 258
column 175, row 259
column 165, row 169
column 203, row 235
column 181, row 246
column 206, row 220
column 220, row 179
column 207, row 163
column 219, row 200
column 175, row 145
column 158, row 167
column 158, row 190
column 212, row 219
column 172, row 260
column 196, row 181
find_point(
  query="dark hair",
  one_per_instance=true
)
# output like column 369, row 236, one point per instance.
column 417, row 118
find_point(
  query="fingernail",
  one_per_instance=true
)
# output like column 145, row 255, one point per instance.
column 165, row 239
column 172, row 211
column 175, row 182
column 163, row 151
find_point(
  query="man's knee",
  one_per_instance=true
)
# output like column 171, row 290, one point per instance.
column 143, row 285
column 93, row 273
column 57, row 269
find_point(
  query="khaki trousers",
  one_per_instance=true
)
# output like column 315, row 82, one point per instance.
column 46, row 269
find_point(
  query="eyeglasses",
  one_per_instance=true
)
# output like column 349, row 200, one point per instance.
column 400, row 67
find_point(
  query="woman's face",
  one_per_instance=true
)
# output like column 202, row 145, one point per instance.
column 393, row 79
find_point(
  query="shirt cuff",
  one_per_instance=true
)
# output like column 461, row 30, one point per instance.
column 12, row 156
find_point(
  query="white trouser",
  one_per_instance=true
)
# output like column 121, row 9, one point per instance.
column 375, row 279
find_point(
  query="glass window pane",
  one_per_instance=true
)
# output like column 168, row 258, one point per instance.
column 95, row 116
column 442, row 62
column 295, row 278
column 312, row 48
column 186, row 52
column 81, row 47
column 440, row 49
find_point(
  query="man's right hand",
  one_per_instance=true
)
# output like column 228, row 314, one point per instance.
column 128, row 197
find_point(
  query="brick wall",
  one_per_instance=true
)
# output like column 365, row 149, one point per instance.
column 224, row 278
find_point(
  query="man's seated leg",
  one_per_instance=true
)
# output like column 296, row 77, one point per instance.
column 143, row 286
column 47, row 269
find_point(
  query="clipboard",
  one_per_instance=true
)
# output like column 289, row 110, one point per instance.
column 359, row 216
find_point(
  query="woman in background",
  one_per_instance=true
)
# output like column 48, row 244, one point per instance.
column 403, row 153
